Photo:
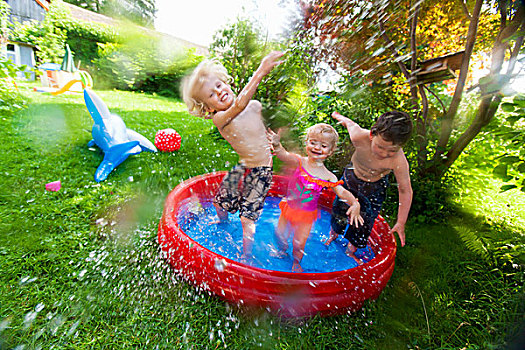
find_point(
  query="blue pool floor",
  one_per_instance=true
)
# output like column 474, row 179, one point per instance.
column 197, row 219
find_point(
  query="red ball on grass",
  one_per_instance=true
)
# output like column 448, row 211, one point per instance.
column 167, row 140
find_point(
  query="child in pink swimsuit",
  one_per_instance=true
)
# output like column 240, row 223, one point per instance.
column 310, row 178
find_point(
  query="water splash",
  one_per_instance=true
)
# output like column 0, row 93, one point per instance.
column 226, row 239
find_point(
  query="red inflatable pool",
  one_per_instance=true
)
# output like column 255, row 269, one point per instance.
column 285, row 293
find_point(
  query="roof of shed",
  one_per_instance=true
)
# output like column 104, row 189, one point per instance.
column 89, row 16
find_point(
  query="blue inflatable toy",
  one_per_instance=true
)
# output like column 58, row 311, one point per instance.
column 111, row 135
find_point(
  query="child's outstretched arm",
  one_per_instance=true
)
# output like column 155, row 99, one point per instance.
column 267, row 64
column 279, row 150
column 352, row 127
column 354, row 212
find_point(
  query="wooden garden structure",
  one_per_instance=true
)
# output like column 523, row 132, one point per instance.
column 439, row 68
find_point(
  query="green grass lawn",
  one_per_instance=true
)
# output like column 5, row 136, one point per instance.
column 80, row 268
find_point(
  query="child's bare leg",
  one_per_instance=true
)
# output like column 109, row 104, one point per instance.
column 350, row 251
column 302, row 231
column 281, row 236
column 248, row 232
column 221, row 213
column 333, row 237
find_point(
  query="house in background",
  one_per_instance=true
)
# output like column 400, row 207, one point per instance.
column 22, row 11
column 26, row 10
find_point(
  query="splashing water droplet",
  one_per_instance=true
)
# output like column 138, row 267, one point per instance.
column 26, row 279
column 101, row 221
column 220, row 264
column 39, row 307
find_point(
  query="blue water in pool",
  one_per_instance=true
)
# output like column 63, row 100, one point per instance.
column 196, row 220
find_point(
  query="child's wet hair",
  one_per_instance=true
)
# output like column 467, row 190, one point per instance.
column 324, row 129
column 192, row 82
column 394, row 126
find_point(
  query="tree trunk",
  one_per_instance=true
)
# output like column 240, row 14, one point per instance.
column 490, row 103
column 421, row 115
column 421, row 130
column 448, row 119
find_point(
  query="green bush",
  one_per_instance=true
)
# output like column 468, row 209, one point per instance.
column 83, row 38
column 166, row 81
column 114, row 68
column 141, row 62
column 10, row 99
column 510, row 163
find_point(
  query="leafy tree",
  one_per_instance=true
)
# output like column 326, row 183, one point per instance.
column 141, row 12
column 511, row 164
column 238, row 46
column 241, row 46
column 384, row 42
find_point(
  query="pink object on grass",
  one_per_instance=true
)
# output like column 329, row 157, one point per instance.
column 53, row 186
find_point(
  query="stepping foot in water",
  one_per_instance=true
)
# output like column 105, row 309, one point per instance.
column 365, row 254
column 333, row 237
column 351, row 254
column 296, row 268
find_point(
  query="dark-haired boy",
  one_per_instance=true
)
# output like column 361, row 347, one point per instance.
column 377, row 153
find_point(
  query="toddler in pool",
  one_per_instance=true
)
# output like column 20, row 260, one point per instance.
column 309, row 179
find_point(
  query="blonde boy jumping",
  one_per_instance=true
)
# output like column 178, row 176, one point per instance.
column 207, row 93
